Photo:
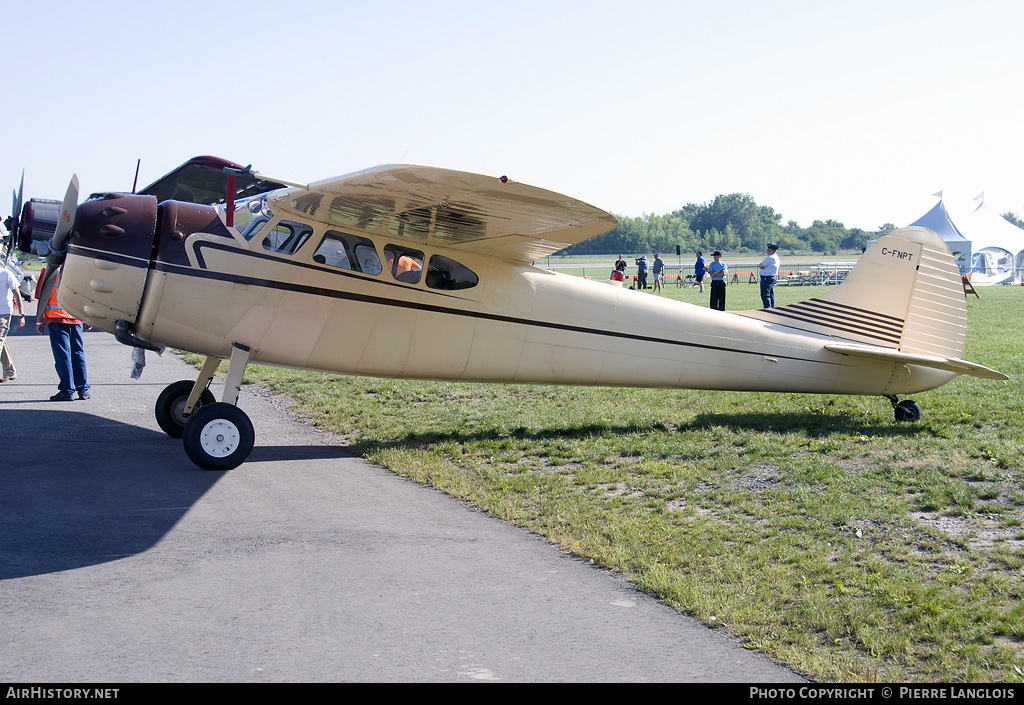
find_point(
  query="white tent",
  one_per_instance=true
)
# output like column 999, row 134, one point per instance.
column 983, row 242
column 939, row 220
column 999, row 247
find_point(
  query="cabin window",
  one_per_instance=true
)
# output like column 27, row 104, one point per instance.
column 348, row 252
column 406, row 265
column 287, row 237
column 368, row 260
column 444, row 273
column 251, row 214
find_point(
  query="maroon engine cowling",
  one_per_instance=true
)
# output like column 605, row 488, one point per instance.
column 123, row 225
column 38, row 222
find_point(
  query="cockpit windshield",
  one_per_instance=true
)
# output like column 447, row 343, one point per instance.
column 251, row 214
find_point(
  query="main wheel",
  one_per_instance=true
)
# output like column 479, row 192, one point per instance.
column 907, row 410
column 170, row 404
column 218, row 436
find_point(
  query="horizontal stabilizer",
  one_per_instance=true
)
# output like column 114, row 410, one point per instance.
column 948, row 364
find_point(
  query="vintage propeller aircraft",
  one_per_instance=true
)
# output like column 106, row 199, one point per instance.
column 416, row 272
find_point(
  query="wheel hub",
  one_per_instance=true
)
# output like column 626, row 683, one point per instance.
column 219, row 438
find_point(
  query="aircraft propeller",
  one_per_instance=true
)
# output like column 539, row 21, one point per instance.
column 58, row 244
column 13, row 221
column 56, row 249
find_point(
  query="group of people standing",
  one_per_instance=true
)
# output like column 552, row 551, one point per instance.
column 716, row 272
column 656, row 268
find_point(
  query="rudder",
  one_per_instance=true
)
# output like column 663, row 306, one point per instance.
column 905, row 293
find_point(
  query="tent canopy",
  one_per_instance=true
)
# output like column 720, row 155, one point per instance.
column 968, row 235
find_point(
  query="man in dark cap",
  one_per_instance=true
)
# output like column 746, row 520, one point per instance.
column 718, row 270
column 769, row 275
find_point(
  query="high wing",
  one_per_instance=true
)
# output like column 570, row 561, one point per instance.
column 469, row 212
column 949, row 364
column 203, row 180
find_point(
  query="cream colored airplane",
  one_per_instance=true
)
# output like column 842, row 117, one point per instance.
column 415, row 272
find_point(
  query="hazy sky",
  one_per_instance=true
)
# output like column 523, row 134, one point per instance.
column 855, row 111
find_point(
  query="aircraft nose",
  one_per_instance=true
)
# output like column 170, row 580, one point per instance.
column 109, row 250
column 116, row 226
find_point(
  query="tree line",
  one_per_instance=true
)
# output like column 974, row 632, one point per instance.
column 731, row 223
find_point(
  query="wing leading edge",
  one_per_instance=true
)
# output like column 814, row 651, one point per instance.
column 459, row 210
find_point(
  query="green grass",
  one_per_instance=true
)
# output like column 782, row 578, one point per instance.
column 812, row 527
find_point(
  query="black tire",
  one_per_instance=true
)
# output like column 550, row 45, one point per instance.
column 218, row 436
column 907, row 410
column 170, row 403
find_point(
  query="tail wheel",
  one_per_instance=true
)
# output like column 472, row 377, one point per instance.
column 907, row 410
column 218, row 436
column 171, row 404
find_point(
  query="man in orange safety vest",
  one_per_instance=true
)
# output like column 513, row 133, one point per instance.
column 65, row 341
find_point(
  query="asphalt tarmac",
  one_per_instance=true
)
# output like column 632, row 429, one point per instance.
column 121, row 562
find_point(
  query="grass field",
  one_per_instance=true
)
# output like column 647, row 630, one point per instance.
column 811, row 527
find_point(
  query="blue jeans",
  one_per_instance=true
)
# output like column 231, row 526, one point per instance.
column 768, row 291
column 68, row 357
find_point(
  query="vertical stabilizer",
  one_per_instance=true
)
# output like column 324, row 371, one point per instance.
column 905, row 293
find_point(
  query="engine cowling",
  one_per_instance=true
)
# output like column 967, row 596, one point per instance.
column 109, row 253
column 37, row 223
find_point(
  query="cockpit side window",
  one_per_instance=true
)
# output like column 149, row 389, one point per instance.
column 447, row 274
column 287, row 237
column 369, row 262
column 348, row 252
column 251, row 214
column 405, row 264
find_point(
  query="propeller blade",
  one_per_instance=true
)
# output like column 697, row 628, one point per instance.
column 11, row 222
column 49, row 275
column 65, row 221
column 13, row 229
column 19, row 200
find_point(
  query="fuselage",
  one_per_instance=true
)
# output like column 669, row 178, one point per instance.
column 182, row 278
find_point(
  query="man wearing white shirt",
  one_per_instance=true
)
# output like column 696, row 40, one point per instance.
column 10, row 301
column 769, row 275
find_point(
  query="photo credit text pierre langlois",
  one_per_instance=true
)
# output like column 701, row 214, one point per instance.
column 887, row 692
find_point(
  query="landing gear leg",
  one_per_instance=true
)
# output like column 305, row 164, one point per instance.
column 219, row 436
column 906, row 410
column 177, row 402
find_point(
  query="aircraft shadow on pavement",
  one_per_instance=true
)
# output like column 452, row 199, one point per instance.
column 79, row 490
column 269, row 454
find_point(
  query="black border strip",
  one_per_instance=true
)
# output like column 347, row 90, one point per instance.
column 814, row 311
